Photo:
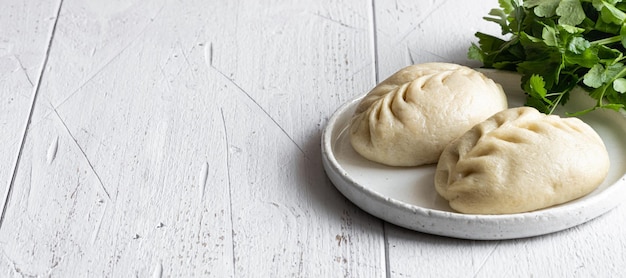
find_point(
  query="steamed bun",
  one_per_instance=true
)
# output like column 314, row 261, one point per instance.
column 409, row 118
column 521, row 160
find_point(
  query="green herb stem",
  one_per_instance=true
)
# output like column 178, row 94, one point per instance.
column 609, row 40
column 556, row 102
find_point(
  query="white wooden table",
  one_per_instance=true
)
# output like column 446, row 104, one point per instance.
column 182, row 139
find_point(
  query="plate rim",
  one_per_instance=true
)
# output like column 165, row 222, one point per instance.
column 332, row 166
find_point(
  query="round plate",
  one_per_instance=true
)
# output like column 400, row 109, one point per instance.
column 406, row 196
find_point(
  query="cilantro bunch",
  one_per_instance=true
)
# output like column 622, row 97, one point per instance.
column 557, row 45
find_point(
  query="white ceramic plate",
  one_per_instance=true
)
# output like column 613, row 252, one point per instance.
column 407, row 197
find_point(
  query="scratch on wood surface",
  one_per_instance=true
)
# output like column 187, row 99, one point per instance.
column 29, row 188
column 230, row 193
column 231, row 81
column 96, row 231
column 204, row 173
column 196, row 40
column 480, row 268
column 106, row 192
column 109, row 61
column 73, row 195
column 182, row 51
column 95, row 74
column 23, row 69
column 419, row 20
column 434, row 54
column 410, row 55
column 335, row 21
column 52, row 150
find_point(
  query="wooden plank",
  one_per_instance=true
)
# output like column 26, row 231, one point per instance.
column 421, row 31
column 25, row 31
column 126, row 181
column 282, row 97
column 168, row 142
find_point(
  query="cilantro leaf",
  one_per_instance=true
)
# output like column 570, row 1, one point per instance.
column 543, row 8
column 537, row 88
column 474, row 53
column 549, row 36
column 578, row 45
column 507, row 6
column 557, row 45
column 571, row 12
column 611, row 14
column 619, row 85
column 594, row 78
column 500, row 17
column 586, row 59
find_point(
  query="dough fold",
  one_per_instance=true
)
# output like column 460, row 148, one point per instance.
column 409, row 118
column 521, row 160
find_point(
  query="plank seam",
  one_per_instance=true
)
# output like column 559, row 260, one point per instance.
column 386, row 250
column 9, row 190
column 374, row 49
column 374, row 41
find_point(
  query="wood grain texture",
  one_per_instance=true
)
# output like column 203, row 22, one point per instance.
column 595, row 249
column 182, row 139
column 25, row 30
